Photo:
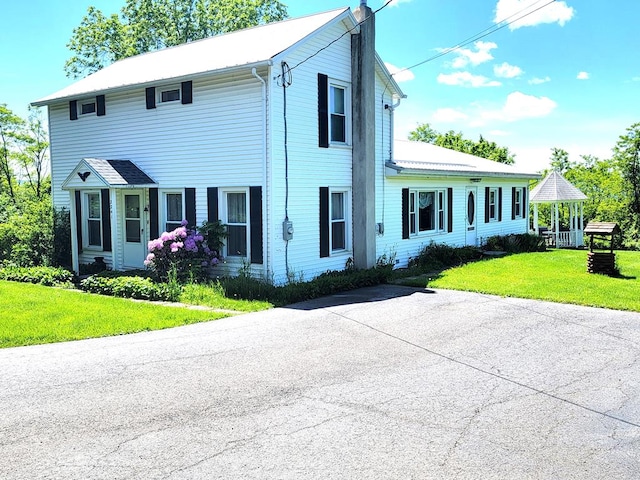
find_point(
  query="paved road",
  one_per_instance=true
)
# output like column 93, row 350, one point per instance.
column 383, row 383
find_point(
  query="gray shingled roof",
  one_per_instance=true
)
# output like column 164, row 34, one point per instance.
column 556, row 188
column 119, row 172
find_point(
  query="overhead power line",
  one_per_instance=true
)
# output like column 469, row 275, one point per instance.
column 474, row 38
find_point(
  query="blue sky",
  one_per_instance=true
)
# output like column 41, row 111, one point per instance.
column 566, row 76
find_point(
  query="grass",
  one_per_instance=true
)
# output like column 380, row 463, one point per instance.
column 212, row 295
column 555, row 275
column 34, row 314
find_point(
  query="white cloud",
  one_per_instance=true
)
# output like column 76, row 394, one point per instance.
column 466, row 56
column 538, row 81
column 395, row 3
column 507, row 71
column 635, row 79
column 398, row 74
column 583, row 76
column 466, row 79
column 448, row 115
column 556, row 12
column 519, row 105
column 498, row 133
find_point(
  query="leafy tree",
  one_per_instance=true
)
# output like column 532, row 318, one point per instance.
column 146, row 25
column 456, row 141
column 626, row 154
column 560, row 160
column 10, row 127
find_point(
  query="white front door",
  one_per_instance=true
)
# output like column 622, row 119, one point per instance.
column 133, row 228
column 471, row 215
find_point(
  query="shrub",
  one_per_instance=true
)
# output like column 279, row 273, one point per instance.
column 131, row 287
column 181, row 251
column 437, row 256
column 516, row 243
column 49, row 276
column 62, row 238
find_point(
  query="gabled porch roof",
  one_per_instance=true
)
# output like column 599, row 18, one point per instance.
column 100, row 173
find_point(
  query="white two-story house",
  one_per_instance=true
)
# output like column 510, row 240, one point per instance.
column 284, row 133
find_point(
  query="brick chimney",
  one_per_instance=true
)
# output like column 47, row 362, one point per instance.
column 363, row 59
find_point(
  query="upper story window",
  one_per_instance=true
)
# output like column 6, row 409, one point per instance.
column 334, row 112
column 338, row 114
column 87, row 107
column 169, row 95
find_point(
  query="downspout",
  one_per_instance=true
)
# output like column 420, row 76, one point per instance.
column 264, row 171
column 391, row 109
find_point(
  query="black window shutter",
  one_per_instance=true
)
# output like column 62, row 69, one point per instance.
column 78, row 198
column 73, row 110
column 106, row 220
column 449, row 210
column 190, row 206
column 513, row 203
column 187, row 92
column 323, row 111
column 487, row 191
column 212, row 204
column 324, row 222
column 525, row 204
column 405, row 213
column 154, row 231
column 500, row 204
column 150, row 93
column 100, row 106
column 255, row 219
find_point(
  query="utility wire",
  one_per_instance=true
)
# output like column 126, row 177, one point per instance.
column 487, row 31
column 340, row 37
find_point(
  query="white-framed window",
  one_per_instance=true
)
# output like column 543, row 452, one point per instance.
column 517, row 203
column 493, row 204
column 169, row 94
column 173, row 209
column 235, row 215
column 87, row 107
column 339, row 113
column 338, row 220
column 93, row 220
column 427, row 211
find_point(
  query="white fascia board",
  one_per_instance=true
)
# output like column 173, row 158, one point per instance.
column 51, row 99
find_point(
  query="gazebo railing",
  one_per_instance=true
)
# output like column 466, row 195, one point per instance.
column 565, row 239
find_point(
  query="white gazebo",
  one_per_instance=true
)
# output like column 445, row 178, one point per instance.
column 556, row 190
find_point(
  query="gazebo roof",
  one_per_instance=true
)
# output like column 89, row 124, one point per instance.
column 556, row 188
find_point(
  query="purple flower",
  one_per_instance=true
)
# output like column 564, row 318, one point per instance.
column 166, row 236
column 184, row 223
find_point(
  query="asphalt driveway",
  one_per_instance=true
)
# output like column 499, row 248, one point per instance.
column 385, row 382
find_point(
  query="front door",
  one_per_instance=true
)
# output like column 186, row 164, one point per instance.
column 133, row 228
column 471, row 215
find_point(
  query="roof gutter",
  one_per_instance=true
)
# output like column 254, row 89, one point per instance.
column 394, row 170
column 249, row 66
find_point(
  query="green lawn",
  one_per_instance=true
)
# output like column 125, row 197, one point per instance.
column 555, row 275
column 33, row 314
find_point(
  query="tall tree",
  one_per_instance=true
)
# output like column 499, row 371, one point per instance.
column 456, row 141
column 10, row 127
column 32, row 155
column 626, row 154
column 146, row 25
column 560, row 160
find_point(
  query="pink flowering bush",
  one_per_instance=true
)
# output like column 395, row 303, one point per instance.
column 183, row 251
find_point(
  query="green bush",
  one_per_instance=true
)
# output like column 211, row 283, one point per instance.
column 247, row 288
column 62, row 238
column 437, row 256
column 49, row 276
column 516, row 243
column 131, row 287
